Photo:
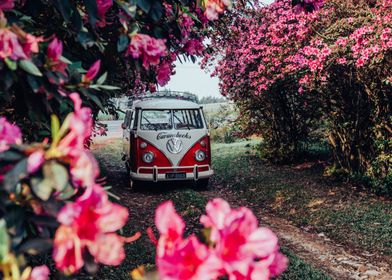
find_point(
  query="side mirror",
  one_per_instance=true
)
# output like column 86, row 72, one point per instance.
column 123, row 126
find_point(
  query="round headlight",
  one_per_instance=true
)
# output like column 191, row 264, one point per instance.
column 148, row 157
column 200, row 155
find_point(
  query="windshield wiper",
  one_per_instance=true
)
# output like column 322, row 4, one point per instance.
column 181, row 123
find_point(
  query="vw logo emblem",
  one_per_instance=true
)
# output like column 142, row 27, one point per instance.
column 174, row 145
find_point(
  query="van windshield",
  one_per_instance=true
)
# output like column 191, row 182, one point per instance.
column 186, row 119
column 156, row 120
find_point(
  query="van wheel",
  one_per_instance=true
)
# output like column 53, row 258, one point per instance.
column 202, row 183
column 134, row 184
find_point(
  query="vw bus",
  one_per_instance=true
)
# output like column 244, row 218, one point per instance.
column 166, row 140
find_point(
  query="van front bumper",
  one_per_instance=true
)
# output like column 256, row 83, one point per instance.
column 156, row 173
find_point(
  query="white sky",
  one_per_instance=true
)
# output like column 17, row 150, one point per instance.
column 189, row 77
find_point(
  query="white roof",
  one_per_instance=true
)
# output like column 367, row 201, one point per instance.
column 163, row 103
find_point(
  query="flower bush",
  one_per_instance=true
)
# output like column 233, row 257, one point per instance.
column 314, row 68
column 44, row 59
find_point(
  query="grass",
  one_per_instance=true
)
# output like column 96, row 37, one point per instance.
column 299, row 270
column 302, row 195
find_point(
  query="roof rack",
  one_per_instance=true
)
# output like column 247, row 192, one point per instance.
column 163, row 94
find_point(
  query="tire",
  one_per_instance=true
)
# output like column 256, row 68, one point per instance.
column 203, row 183
column 134, row 184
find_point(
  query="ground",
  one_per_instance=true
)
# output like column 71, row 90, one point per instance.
column 329, row 230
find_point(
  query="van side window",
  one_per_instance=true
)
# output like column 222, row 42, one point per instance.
column 127, row 120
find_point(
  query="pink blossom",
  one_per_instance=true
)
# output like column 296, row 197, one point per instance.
column 239, row 241
column 40, row 273
column 10, row 46
column 103, row 7
column 80, row 126
column 35, row 161
column 194, row 47
column 9, row 135
column 55, row 50
column 84, row 168
column 6, row 5
column 189, row 260
column 179, row 258
column 147, row 48
column 215, row 7
column 92, row 72
column 54, row 53
column 164, row 72
column 90, row 224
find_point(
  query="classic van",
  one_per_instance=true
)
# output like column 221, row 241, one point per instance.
column 166, row 140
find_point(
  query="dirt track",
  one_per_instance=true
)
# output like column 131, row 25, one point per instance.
column 334, row 259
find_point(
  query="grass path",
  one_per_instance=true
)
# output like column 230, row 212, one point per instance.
column 295, row 201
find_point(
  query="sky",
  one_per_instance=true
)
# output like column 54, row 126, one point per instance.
column 189, row 77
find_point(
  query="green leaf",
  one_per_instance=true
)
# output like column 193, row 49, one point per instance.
column 30, row 67
column 128, row 8
column 92, row 10
column 4, row 240
column 66, row 60
column 42, row 188
column 156, row 11
column 10, row 156
column 102, row 79
column 122, row 43
column 35, row 246
column 145, row 5
column 107, row 87
column 55, row 125
column 55, row 177
column 57, row 174
column 11, row 64
column 17, row 173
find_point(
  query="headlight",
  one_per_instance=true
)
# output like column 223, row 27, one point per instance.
column 148, row 157
column 200, row 155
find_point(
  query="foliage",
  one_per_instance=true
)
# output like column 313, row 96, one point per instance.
column 302, row 71
column 44, row 58
column 211, row 99
column 222, row 124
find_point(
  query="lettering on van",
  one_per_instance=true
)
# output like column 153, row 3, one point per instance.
column 165, row 135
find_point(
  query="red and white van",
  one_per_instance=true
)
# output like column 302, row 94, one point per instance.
column 165, row 140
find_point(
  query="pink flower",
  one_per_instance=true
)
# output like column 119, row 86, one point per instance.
column 92, row 72
column 164, row 73
column 84, row 168
column 215, row 7
column 35, row 160
column 9, row 135
column 239, row 241
column 40, row 273
column 149, row 49
column 6, row 5
column 54, row 53
column 55, row 50
column 80, row 126
column 189, row 260
column 179, row 258
column 89, row 223
column 103, row 7
column 194, row 47
column 170, row 226
column 10, row 46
